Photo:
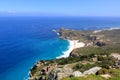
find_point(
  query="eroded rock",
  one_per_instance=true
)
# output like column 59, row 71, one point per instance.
column 92, row 70
column 77, row 74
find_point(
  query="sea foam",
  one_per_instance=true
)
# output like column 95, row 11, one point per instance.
column 73, row 44
column 68, row 51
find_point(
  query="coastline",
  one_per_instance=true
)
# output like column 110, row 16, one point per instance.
column 73, row 44
column 109, row 29
column 84, row 39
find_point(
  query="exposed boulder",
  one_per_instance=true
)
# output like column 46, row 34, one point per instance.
column 92, row 70
column 115, row 55
column 100, row 44
column 89, row 44
column 74, row 54
column 91, row 37
column 77, row 74
column 53, row 75
column 59, row 73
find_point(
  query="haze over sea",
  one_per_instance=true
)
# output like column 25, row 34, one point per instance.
column 25, row 40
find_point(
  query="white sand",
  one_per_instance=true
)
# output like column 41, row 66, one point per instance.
column 96, row 31
column 78, row 44
column 113, row 28
column 73, row 45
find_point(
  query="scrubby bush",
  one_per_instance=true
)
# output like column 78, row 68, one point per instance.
column 68, row 60
column 82, row 67
column 107, row 63
column 106, row 50
column 102, row 71
column 78, row 66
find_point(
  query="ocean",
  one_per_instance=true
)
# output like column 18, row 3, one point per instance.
column 25, row 40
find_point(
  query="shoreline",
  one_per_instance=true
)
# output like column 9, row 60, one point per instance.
column 83, row 39
column 73, row 44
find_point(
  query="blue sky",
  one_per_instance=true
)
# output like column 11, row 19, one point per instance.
column 61, row 7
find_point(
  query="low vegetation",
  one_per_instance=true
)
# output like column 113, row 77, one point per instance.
column 89, row 77
column 105, row 50
column 89, row 56
column 114, row 73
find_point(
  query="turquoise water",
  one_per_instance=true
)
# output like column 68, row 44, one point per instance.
column 25, row 40
column 48, row 49
column 40, row 49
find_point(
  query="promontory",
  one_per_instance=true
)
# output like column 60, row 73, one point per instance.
column 97, row 59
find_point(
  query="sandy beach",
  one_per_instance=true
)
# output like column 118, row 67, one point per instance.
column 73, row 45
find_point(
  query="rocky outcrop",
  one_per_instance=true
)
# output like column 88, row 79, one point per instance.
column 59, row 73
column 100, row 44
column 115, row 55
column 53, row 75
column 92, row 71
column 77, row 74
column 74, row 54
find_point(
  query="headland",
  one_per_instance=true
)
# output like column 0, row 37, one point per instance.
column 91, row 55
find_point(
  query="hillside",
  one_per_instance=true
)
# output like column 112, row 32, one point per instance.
column 99, row 59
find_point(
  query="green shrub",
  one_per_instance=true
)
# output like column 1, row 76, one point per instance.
column 83, row 67
column 102, row 71
column 107, row 63
column 78, row 66
column 89, row 77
